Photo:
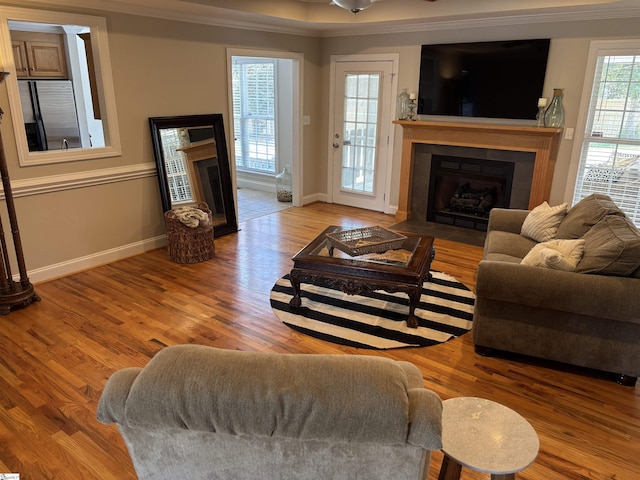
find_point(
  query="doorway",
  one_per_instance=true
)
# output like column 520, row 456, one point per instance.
column 265, row 99
column 361, row 133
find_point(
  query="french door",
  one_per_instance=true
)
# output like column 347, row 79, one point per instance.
column 361, row 131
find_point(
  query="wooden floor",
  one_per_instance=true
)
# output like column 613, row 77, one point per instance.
column 56, row 355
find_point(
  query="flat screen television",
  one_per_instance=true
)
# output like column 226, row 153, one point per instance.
column 501, row 79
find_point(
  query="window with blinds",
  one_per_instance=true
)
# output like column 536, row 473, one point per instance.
column 177, row 176
column 610, row 155
column 254, row 106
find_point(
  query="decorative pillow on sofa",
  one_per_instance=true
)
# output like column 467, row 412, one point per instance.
column 585, row 214
column 542, row 222
column 612, row 247
column 556, row 254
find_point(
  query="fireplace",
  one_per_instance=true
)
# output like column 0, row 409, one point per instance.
column 440, row 172
column 531, row 150
column 462, row 191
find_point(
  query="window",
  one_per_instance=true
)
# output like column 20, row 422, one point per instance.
column 360, row 132
column 610, row 154
column 254, row 106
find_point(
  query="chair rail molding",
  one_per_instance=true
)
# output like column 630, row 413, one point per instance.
column 88, row 178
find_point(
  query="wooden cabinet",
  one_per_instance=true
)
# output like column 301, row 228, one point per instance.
column 39, row 55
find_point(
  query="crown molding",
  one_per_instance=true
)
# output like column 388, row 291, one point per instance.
column 202, row 14
column 440, row 24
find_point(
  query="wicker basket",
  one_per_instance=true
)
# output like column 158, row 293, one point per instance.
column 186, row 244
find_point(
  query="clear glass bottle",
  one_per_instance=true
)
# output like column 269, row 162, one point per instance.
column 554, row 116
column 403, row 105
column 284, row 191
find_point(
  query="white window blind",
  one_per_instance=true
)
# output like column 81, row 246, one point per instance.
column 254, row 106
column 610, row 155
column 177, row 176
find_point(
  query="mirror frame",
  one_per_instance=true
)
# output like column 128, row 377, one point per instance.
column 106, row 91
column 216, row 121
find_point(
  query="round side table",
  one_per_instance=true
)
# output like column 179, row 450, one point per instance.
column 487, row 437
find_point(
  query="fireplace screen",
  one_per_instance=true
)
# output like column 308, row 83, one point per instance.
column 462, row 191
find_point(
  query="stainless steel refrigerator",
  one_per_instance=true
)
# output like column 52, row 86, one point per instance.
column 50, row 116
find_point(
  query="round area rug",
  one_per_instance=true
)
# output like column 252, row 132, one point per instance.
column 377, row 319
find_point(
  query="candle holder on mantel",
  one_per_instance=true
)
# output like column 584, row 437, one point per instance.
column 542, row 106
column 412, row 107
column 12, row 294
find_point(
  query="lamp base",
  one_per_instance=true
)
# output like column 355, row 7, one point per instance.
column 17, row 296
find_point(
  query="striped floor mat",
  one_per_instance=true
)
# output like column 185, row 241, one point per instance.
column 378, row 319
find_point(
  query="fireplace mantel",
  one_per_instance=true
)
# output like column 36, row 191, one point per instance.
column 544, row 142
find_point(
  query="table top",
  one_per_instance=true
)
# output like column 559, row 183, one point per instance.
column 413, row 256
column 486, row 436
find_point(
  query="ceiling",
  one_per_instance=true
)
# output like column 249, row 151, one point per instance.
column 322, row 18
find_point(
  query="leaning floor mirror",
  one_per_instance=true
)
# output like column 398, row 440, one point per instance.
column 193, row 166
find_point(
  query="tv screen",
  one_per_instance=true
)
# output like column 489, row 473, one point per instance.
column 484, row 79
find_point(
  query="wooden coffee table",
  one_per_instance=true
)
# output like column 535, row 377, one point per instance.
column 402, row 270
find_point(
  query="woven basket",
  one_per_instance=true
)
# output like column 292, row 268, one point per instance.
column 186, row 244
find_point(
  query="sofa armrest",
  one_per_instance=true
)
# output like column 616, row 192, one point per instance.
column 603, row 296
column 114, row 396
column 507, row 219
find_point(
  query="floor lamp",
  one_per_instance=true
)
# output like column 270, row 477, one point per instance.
column 12, row 294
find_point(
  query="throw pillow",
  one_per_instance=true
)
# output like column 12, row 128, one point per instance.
column 612, row 247
column 541, row 224
column 556, row 255
column 585, row 214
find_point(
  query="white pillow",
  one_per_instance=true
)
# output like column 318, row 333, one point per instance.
column 556, row 254
column 541, row 224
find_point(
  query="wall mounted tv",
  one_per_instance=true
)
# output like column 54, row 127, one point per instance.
column 502, row 79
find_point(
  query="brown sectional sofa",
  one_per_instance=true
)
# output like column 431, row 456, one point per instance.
column 589, row 317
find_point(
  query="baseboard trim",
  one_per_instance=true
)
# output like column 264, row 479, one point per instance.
column 316, row 197
column 79, row 264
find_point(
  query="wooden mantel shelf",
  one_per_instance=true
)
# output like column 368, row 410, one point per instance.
column 544, row 142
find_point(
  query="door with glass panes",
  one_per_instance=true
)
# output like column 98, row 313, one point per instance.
column 360, row 142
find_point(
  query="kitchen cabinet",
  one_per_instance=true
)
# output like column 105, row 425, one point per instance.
column 39, row 55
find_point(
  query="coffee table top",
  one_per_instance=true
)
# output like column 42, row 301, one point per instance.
column 486, row 436
column 411, row 256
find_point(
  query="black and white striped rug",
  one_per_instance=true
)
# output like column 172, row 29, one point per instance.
column 377, row 319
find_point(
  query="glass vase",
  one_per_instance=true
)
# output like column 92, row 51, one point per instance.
column 283, row 185
column 554, row 116
column 404, row 105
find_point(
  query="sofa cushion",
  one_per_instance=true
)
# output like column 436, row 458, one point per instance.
column 556, row 254
column 543, row 221
column 585, row 214
column 269, row 394
column 506, row 246
column 612, row 247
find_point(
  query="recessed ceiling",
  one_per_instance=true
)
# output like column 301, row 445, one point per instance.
column 321, row 17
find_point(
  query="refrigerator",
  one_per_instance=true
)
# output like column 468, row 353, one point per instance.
column 50, row 116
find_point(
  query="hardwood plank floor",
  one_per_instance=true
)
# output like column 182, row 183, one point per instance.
column 57, row 354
